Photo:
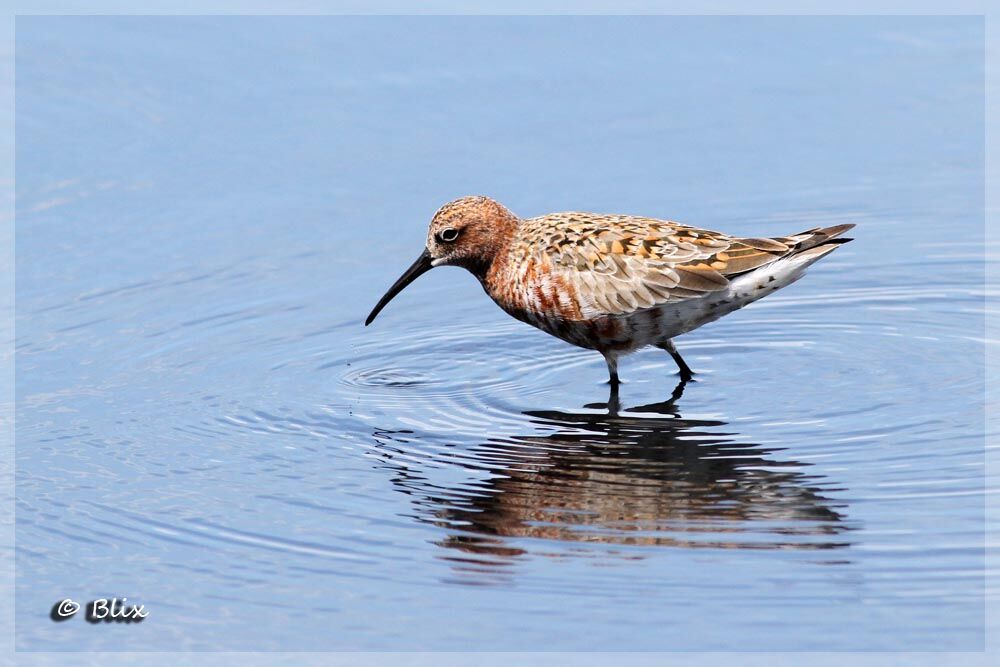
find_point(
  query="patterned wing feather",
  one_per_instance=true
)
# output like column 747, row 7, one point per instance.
column 620, row 264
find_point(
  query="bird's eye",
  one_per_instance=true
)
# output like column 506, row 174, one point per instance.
column 447, row 235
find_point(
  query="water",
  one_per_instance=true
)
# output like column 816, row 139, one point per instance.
column 208, row 208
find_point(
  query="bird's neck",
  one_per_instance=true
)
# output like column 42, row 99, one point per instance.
column 491, row 262
column 497, row 275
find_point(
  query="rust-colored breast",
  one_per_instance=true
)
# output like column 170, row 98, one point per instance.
column 526, row 283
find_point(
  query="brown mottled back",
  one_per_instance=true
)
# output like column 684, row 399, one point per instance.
column 621, row 263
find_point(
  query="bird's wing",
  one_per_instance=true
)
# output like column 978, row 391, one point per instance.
column 620, row 264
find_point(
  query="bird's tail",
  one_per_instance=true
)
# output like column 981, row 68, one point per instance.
column 818, row 236
column 810, row 245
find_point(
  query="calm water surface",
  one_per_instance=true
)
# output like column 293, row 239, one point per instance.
column 208, row 208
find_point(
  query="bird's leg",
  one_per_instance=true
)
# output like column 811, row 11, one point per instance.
column 612, row 361
column 686, row 372
column 614, row 404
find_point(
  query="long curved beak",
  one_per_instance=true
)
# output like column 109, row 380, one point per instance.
column 421, row 266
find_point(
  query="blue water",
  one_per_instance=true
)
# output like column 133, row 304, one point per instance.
column 207, row 208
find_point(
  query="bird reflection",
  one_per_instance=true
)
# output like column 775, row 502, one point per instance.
column 641, row 476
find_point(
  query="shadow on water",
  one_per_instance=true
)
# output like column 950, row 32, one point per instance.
column 643, row 476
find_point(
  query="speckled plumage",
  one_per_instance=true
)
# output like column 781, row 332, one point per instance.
column 613, row 283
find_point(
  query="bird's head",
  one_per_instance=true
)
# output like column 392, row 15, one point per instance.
column 467, row 232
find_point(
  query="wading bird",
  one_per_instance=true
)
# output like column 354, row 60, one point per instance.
column 611, row 283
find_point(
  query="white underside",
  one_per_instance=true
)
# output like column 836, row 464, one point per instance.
column 659, row 324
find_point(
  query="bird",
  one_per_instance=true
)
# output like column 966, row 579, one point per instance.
column 607, row 282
